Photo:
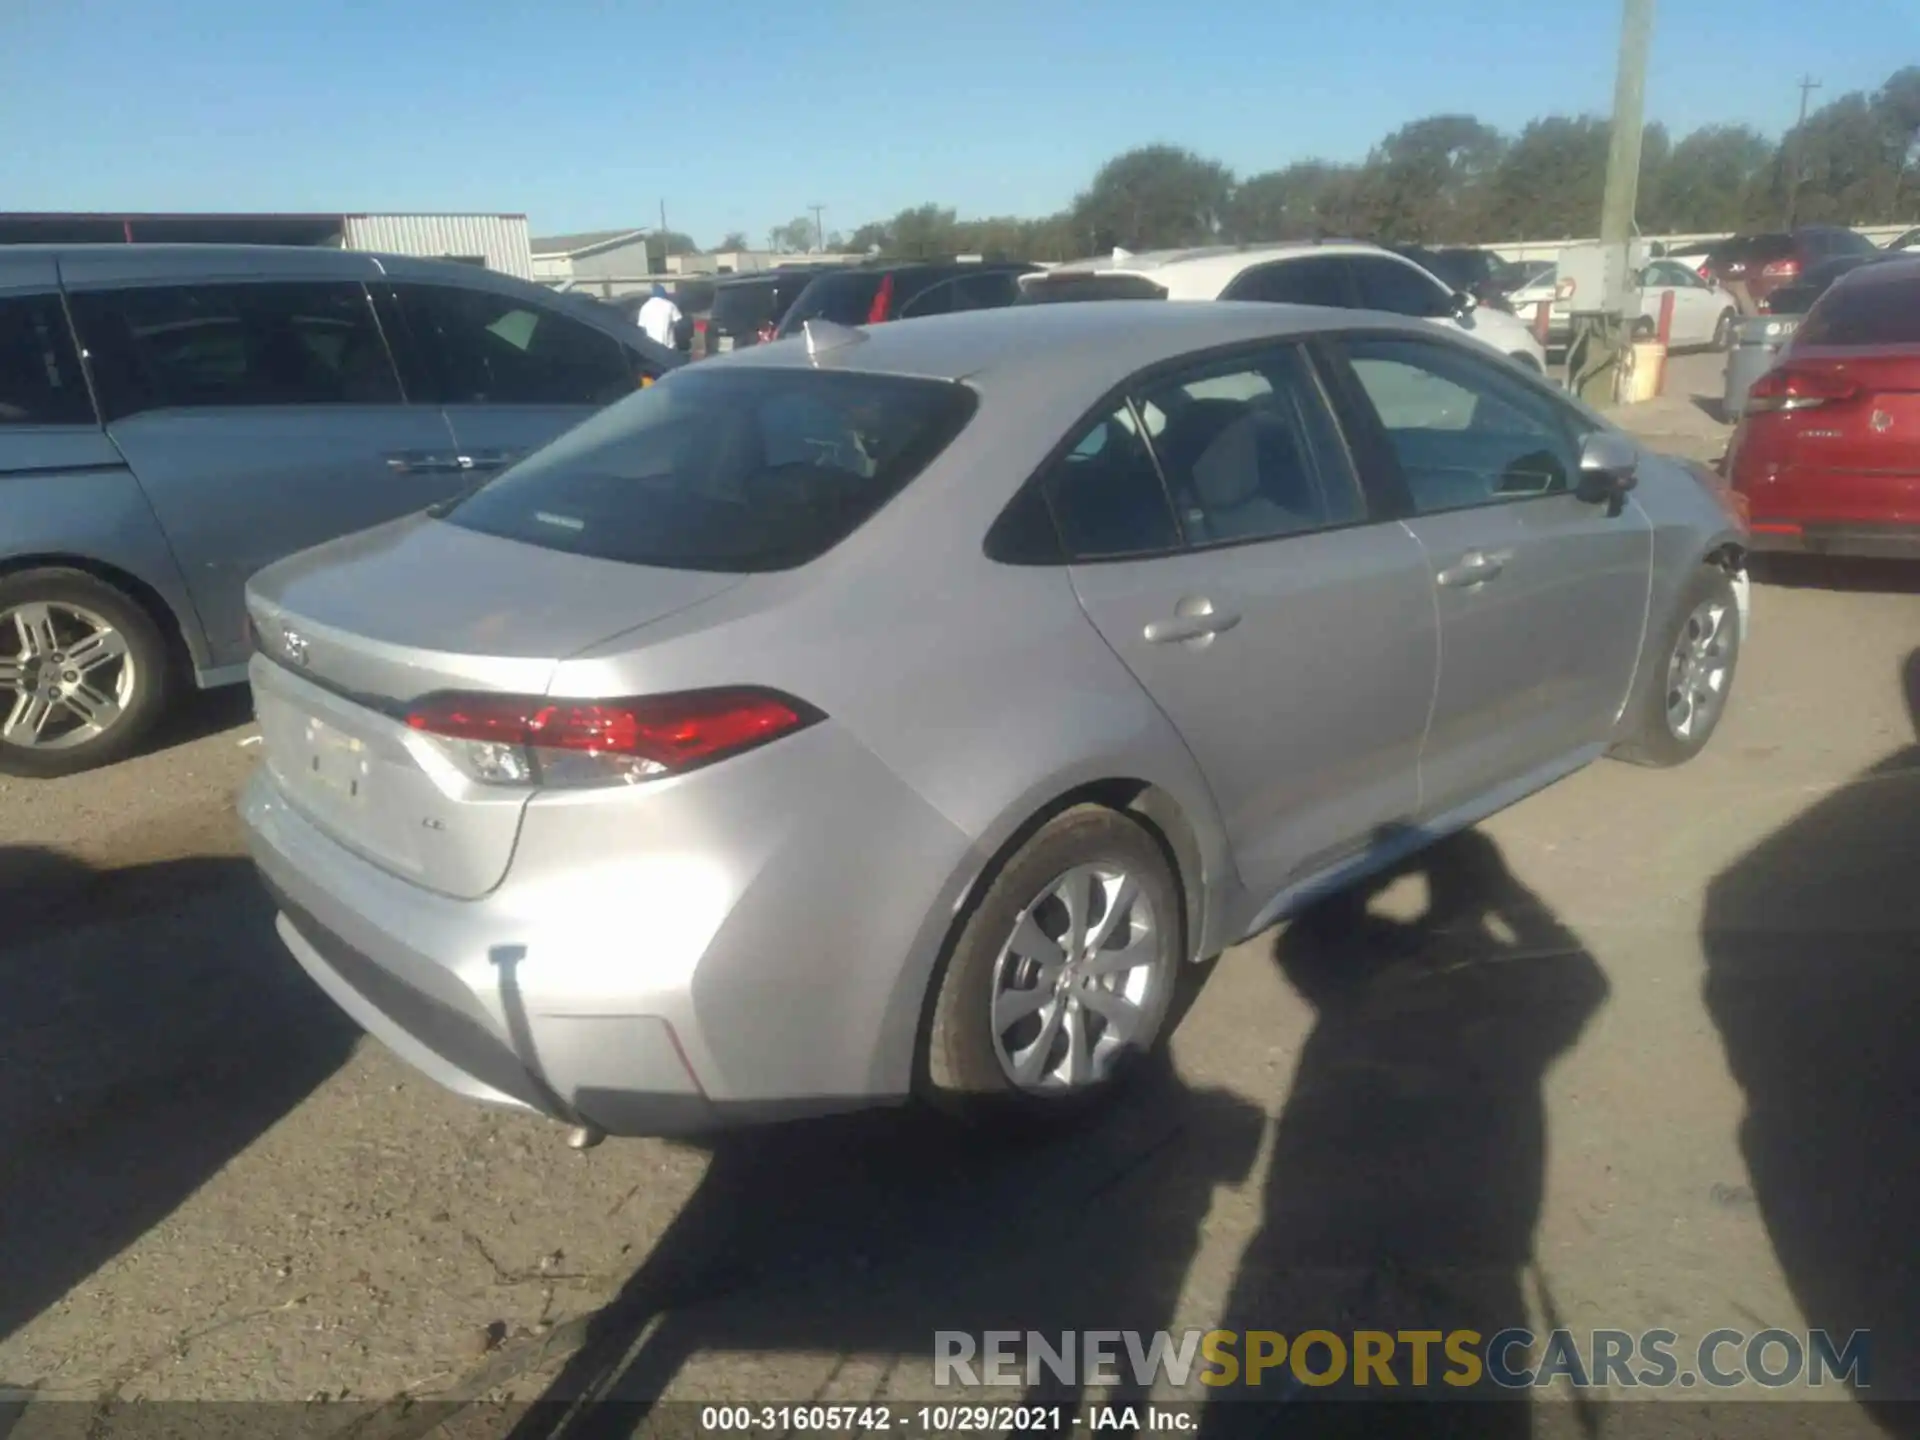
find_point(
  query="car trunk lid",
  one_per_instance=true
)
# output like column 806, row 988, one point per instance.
column 351, row 634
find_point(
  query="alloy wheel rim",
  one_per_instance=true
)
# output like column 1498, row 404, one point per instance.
column 67, row 675
column 1073, row 983
column 1698, row 670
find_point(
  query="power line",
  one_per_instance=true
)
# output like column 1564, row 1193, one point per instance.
column 819, row 231
column 1807, row 86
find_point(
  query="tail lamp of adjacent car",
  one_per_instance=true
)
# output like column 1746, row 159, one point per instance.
column 543, row 741
column 882, row 306
column 1704, row 272
column 1564, row 290
column 1790, row 389
column 1781, row 270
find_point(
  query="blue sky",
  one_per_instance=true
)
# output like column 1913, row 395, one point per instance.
column 586, row 114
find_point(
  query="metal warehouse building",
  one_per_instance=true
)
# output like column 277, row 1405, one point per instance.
column 498, row 242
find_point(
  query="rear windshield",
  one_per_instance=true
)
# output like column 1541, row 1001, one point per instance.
column 743, row 309
column 845, row 299
column 736, row 470
column 1886, row 313
column 1750, row 249
column 1052, row 289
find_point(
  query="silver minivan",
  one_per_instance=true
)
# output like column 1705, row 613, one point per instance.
column 174, row 417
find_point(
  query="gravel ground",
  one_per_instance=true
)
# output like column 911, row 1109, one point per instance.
column 1634, row 1053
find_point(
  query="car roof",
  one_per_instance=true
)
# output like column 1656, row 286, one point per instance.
column 1206, row 270
column 1891, row 271
column 1104, row 342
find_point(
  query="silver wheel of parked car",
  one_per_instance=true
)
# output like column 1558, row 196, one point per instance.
column 1700, row 668
column 67, row 672
column 1723, row 330
column 1072, row 984
column 82, row 672
column 1060, row 976
column 1686, row 675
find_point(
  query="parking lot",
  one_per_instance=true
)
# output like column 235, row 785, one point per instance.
column 1635, row 1053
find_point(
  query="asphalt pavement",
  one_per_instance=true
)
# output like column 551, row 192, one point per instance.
column 1635, row 1053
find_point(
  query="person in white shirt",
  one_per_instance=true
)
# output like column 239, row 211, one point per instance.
column 659, row 316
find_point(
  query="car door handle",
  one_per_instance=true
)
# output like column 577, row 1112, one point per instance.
column 1476, row 567
column 489, row 459
column 422, row 462
column 1197, row 620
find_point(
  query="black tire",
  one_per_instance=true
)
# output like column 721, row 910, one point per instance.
column 1648, row 734
column 1723, row 329
column 146, row 654
column 1645, row 329
column 960, row 1071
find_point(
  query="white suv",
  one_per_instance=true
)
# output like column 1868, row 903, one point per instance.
column 1346, row 275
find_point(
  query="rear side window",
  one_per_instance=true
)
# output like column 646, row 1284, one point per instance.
column 1320, row 280
column 199, row 346
column 1106, row 495
column 743, row 309
column 40, row 380
column 1886, row 313
column 737, row 470
column 484, row 348
column 1248, row 450
column 1398, row 287
column 1055, row 288
column 1847, row 242
column 854, row 297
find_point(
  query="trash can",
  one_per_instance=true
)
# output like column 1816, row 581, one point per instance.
column 1757, row 342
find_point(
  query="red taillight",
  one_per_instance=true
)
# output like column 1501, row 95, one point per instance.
column 699, row 327
column 1790, row 389
column 1781, row 269
column 882, row 301
column 1704, row 273
column 631, row 739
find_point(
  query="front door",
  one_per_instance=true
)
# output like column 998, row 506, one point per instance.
column 510, row 372
column 1542, row 596
column 1224, row 550
column 260, row 419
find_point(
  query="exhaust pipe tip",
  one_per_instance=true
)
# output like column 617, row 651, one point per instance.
column 585, row 1137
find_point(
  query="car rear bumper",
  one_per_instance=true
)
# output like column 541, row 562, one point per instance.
column 1852, row 539
column 733, row 964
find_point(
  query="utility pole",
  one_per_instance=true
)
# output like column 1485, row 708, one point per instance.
column 1807, row 86
column 1600, row 339
column 819, row 229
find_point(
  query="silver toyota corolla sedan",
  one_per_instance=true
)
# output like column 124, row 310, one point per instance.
column 892, row 712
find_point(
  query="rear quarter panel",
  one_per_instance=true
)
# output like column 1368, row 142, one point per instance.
column 67, row 497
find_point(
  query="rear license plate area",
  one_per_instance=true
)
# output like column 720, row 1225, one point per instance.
column 337, row 763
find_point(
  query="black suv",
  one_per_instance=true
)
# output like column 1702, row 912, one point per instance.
column 746, row 308
column 904, row 290
column 1753, row 266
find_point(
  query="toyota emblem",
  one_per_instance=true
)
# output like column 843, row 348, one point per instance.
column 294, row 646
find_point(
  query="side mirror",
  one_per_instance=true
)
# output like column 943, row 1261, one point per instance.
column 1609, row 462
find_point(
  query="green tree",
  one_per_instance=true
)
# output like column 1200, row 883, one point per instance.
column 1153, row 197
column 1549, row 181
column 1428, row 180
column 797, row 235
column 733, row 240
column 1706, row 182
column 1307, row 199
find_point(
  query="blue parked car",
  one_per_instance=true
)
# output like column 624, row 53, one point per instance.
column 174, row 417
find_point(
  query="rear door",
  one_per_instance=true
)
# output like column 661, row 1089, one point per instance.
column 510, row 372
column 1231, row 562
column 261, row 416
column 1542, row 597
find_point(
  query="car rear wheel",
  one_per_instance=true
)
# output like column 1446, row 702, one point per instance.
column 1644, row 328
column 1686, row 676
column 1060, row 978
column 83, row 673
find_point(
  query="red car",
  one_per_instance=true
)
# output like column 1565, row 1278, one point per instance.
column 1827, row 453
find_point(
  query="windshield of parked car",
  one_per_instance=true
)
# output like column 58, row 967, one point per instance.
column 1880, row 313
column 725, row 469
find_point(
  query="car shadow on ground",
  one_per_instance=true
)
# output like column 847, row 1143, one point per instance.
column 1812, row 943
column 1408, row 1166
column 200, row 713
column 1404, row 1191
column 151, row 1028
column 1835, row 572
